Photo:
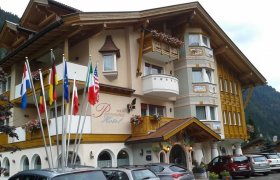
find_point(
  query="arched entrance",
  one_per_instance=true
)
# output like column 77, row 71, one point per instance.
column 122, row 158
column 104, row 159
column 162, row 157
column 177, row 156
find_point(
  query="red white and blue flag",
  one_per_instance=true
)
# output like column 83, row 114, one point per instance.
column 93, row 86
column 25, row 84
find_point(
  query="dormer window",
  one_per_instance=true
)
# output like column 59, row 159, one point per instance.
column 199, row 40
column 110, row 54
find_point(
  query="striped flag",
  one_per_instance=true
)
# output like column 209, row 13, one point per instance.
column 76, row 101
column 41, row 103
column 91, row 98
column 25, row 84
column 96, row 84
column 53, row 80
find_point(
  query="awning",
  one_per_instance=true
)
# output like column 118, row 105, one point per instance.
column 195, row 129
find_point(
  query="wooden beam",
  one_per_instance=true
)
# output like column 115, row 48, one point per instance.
column 47, row 20
column 18, row 41
column 220, row 50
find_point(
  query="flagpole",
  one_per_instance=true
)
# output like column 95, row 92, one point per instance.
column 62, row 112
column 79, row 121
column 46, row 113
column 71, row 114
column 81, row 132
column 39, row 115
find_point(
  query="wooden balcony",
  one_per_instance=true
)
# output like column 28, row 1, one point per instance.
column 149, row 124
column 159, row 50
column 234, row 131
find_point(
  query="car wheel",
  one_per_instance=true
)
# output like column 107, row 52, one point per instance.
column 248, row 176
column 266, row 173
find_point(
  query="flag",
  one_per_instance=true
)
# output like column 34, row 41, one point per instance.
column 53, row 80
column 25, row 84
column 41, row 103
column 76, row 101
column 91, row 98
column 96, row 84
column 65, row 85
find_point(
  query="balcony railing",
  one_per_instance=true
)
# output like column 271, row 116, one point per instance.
column 160, row 85
column 149, row 124
column 71, row 68
column 159, row 50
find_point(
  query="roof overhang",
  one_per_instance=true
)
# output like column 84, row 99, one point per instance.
column 192, row 126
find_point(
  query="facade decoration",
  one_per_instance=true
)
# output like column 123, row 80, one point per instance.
column 136, row 120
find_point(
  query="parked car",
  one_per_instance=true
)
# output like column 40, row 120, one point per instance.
column 273, row 160
column 259, row 164
column 55, row 174
column 237, row 165
column 170, row 171
column 129, row 173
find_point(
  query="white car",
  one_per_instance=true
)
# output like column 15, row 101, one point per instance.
column 273, row 160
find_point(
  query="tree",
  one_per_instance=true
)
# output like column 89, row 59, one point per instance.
column 5, row 110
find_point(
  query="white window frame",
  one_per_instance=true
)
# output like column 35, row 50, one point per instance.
column 208, row 113
column 234, row 119
column 200, row 71
column 235, row 88
column 156, row 110
column 114, row 62
column 203, row 75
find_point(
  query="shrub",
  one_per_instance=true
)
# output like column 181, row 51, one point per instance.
column 213, row 176
column 224, row 173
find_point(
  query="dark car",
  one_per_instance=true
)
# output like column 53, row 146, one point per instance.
column 129, row 173
column 56, row 174
column 237, row 165
column 170, row 171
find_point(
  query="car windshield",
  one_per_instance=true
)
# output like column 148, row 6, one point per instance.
column 156, row 168
column 82, row 175
column 259, row 159
column 273, row 156
column 240, row 159
column 177, row 169
column 140, row 174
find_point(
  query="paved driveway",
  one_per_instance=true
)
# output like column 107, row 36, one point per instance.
column 271, row 176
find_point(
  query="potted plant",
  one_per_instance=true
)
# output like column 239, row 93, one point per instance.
column 213, row 176
column 225, row 175
column 199, row 171
column 136, row 120
column 31, row 125
column 156, row 117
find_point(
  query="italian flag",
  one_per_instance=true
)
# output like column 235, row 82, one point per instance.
column 76, row 101
column 91, row 94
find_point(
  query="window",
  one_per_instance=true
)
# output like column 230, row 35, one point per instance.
column 199, row 40
column 153, row 69
column 212, row 113
column 235, row 89
column 229, row 118
column 149, row 109
column 239, row 120
column 225, row 117
column 6, row 86
column 201, row 112
column 230, row 87
column 194, row 40
column 226, row 89
column 197, row 75
column 221, row 84
column 234, row 119
column 209, row 75
column 109, row 62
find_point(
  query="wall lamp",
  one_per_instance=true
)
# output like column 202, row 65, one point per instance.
column 190, row 149
column 91, row 156
column 166, row 149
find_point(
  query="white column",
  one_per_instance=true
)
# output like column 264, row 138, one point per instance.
column 208, row 115
column 198, row 155
column 214, row 150
column 238, row 149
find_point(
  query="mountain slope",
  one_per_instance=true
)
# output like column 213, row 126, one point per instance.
column 264, row 109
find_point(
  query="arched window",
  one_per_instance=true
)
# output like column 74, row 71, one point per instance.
column 70, row 154
column 162, row 157
column 6, row 166
column 24, row 163
column 104, row 159
column 122, row 158
column 234, row 118
column 36, row 162
column 225, row 117
column 229, row 118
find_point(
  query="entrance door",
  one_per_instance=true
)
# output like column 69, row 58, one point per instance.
column 178, row 156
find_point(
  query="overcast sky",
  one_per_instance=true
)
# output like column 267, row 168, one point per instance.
column 252, row 25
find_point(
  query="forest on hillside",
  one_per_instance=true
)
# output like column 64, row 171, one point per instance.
column 263, row 110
